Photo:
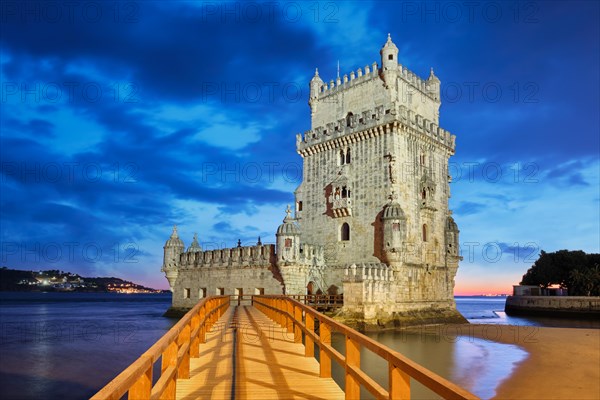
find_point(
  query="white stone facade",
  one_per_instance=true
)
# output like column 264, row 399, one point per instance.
column 371, row 219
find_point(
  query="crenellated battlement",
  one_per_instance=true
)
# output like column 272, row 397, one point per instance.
column 354, row 78
column 230, row 257
column 353, row 128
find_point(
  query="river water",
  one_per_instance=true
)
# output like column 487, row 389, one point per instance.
column 68, row 345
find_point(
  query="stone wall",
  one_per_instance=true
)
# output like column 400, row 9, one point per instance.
column 579, row 306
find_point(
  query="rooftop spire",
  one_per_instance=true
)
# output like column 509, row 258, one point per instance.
column 288, row 213
column 174, row 235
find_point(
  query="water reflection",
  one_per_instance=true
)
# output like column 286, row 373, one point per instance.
column 477, row 365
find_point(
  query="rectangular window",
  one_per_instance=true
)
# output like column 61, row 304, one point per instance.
column 288, row 242
column 186, row 293
column 395, row 227
column 202, row 293
column 220, row 291
column 299, row 206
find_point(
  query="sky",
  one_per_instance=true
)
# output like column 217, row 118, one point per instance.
column 120, row 119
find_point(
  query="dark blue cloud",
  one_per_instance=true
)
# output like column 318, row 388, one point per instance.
column 197, row 107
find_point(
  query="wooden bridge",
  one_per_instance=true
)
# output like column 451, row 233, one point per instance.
column 267, row 349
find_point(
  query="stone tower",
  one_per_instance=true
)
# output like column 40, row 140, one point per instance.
column 375, row 188
column 371, row 217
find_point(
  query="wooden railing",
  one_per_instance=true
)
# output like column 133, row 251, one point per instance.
column 320, row 301
column 300, row 319
column 174, row 349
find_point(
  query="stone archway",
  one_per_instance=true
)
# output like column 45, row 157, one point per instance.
column 311, row 288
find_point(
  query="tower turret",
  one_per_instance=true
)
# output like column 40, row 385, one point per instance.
column 288, row 240
column 389, row 62
column 172, row 250
column 194, row 246
column 433, row 85
column 451, row 232
column 315, row 84
column 394, row 231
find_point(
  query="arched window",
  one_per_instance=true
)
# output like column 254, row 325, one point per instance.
column 424, row 232
column 344, row 192
column 348, row 156
column 349, row 119
column 342, row 157
column 424, row 194
column 345, row 232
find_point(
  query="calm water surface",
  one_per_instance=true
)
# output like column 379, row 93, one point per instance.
column 68, row 345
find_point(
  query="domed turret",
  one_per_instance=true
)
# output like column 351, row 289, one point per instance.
column 194, row 246
column 288, row 239
column 172, row 250
column 389, row 62
column 288, row 227
column 393, row 211
column 433, row 85
column 451, row 233
column 394, row 231
column 315, row 84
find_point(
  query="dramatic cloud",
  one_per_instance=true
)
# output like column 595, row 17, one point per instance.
column 120, row 119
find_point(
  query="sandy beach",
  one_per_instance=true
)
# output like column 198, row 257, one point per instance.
column 563, row 363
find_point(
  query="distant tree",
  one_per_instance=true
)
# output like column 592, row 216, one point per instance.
column 574, row 270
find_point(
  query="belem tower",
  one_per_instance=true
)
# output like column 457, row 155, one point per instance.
column 371, row 218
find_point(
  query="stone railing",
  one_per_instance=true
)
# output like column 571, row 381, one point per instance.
column 368, row 271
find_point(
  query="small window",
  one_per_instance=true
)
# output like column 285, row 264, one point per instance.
column 424, row 232
column 349, row 119
column 348, row 156
column 342, row 157
column 345, row 232
column 220, row 291
column 344, row 192
column 299, row 206
column 424, row 194
column 259, row 291
column 202, row 293
column 288, row 243
column 186, row 293
column 395, row 227
column 390, row 57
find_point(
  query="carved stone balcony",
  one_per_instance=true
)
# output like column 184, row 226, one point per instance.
column 342, row 207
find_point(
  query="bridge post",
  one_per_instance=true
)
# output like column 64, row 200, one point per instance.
column 352, row 360
column 142, row 388
column 169, row 359
column 297, row 322
column 202, row 333
column 399, row 383
column 184, row 366
column 324, row 358
column 290, row 311
column 309, row 344
column 194, row 345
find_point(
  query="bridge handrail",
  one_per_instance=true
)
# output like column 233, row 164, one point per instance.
column 175, row 347
column 294, row 315
column 336, row 300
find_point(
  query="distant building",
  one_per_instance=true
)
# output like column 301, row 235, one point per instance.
column 371, row 217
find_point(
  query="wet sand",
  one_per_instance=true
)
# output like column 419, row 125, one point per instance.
column 563, row 363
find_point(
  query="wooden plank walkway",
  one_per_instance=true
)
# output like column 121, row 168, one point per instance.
column 268, row 364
